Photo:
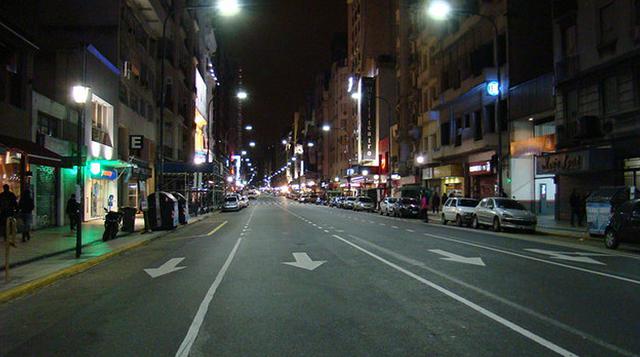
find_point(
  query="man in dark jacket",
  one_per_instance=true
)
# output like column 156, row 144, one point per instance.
column 435, row 203
column 26, row 206
column 575, row 202
column 73, row 211
column 8, row 205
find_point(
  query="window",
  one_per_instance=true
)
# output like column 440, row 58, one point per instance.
column 610, row 95
column 467, row 121
column 48, row 125
column 607, row 20
column 571, row 110
column 490, row 117
column 445, row 133
column 569, row 43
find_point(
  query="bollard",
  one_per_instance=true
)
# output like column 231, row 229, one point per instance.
column 9, row 240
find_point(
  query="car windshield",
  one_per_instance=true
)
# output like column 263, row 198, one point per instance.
column 465, row 202
column 231, row 199
column 408, row 201
column 365, row 199
column 510, row 204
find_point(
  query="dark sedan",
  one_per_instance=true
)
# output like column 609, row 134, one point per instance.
column 406, row 207
column 624, row 225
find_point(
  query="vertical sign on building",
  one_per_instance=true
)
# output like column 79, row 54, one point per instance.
column 368, row 138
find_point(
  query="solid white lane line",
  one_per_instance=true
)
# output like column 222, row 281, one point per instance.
column 514, row 327
column 622, row 278
column 198, row 319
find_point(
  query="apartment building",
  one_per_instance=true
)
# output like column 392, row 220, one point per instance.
column 597, row 109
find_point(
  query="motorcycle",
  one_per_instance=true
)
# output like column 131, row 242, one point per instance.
column 112, row 221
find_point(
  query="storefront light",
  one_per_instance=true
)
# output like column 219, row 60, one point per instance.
column 95, row 168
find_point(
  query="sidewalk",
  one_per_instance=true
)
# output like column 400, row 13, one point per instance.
column 49, row 242
column 546, row 225
column 37, row 267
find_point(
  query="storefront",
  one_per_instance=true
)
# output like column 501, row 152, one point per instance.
column 446, row 179
column 483, row 179
column 101, row 190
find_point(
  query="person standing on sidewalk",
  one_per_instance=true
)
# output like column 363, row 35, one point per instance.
column 435, row 203
column 424, row 207
column 26, row 206
column 73, row 211
column 8, row 205
column 574, row 202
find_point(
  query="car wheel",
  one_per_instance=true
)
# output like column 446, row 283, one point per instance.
column 611, row 241
column 458, row 221
column 444, row 220
column 496, row 224
column 475, row 224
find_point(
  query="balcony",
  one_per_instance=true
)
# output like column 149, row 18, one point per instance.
column 100, row 136
column 567, row 68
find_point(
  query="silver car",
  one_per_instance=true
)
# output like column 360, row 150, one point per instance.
column 386, row 206
column 459, row 210
column 231, row 203
column 500, row 213
column 364, row 204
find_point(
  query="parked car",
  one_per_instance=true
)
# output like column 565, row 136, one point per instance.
column 406, row 207
column 386, row 206
column 624, row 225
column 334, row 201
column 231, row 203
column 364, row 204
column 459, row 210
column 252, row 194
column 500, row 213
column 348, row 202
column 244, row 201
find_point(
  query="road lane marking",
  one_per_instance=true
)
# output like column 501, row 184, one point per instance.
column 628, row 280
column 382, row 224
column 410, row 230
column 217, row 228
column 497, row 298
column 192, row 334
column 491, row 315
column 394, row 227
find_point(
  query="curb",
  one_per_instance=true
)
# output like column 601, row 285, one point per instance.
column 30, row 286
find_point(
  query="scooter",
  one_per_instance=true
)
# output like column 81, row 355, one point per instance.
column 112, row 221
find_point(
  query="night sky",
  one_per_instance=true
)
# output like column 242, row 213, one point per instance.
column 281, row 45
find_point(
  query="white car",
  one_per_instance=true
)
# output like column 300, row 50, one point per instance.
column 459, row 210
column 231, row 203
column 386, row 206
column 499, row 213
column 364, row 204
column 244, row 202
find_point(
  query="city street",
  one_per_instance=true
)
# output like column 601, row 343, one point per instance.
column 282, row 278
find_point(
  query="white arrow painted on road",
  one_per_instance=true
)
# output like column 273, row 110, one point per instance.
column 458, row 258
column 570, row 256
column 169, row 267
column 303, row 261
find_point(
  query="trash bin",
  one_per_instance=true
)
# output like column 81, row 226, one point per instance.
column 128, row 219
column 183, row 208
column 163, row 211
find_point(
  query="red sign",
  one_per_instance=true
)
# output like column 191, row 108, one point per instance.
column 480, row 168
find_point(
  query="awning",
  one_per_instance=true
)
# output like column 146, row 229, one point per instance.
column 36, row 154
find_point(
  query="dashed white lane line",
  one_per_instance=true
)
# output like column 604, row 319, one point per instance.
column 510, row 325
column 326, row 231
column 394, row 227
column 410, row 230
column 382, row 224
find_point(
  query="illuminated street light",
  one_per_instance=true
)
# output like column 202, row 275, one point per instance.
column 243, row 152
column 310, row 144
column 80, row 94
column 247, row 159
column 229, row 179
column 439, row 9
column 293, row 158
column 284, row 142
column 228, row 7
column 326, row 127
column 252, row 144
column 336, row 179
column 249, row 127
column 420, row 159
column 242, row 94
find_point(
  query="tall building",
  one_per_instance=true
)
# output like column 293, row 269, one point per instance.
column 597, row 110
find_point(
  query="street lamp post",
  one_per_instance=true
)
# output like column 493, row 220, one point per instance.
column 441, row 10
column 80, row 94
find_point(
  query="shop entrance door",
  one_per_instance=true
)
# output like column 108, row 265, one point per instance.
column 543, row 197
column 97, row 199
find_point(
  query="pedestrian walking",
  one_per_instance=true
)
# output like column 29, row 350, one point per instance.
column 73, row 211
column 435, row 203
column 8, row 206
column 444, row 198
column 574, row 202
column 26, row 206
column 424, row 207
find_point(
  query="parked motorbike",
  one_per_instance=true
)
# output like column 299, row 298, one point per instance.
column 112, row 221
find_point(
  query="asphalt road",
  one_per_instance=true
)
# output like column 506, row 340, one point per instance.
column 357, row 284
